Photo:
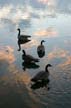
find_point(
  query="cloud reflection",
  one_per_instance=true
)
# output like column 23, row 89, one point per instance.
column 57, row 52
column 49, row 32
column 66, row 63
column 6, row 53
column 31, row 44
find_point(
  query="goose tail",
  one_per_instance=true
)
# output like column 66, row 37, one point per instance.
column 36, row 60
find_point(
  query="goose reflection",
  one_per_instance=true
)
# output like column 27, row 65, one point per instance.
column 40, row 84
column 26, row 65
column 28, row 58
column 42, row 75
column 22, row 39
column 41, row 49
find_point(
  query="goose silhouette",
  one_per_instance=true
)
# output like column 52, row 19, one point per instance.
column 22, row 39
column 41, row 49
column 40, row 84
column 29, row 58
column 42, row 75
column 29, row 65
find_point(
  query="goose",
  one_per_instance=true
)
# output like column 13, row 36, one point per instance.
column 22, row 39
column 42, row 75
column 28, row 58
column 41, row 49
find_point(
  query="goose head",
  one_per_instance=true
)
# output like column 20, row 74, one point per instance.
column 24, row 53
column 42, row 42
column 46, row 68
column 18, row 29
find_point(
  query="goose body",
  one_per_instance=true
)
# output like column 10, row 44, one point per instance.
column 29, row 58
column 22, row 37
column 42, row 75
column 41, row 49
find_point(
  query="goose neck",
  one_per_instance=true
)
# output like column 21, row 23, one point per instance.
column 46, row 68
column 24, row 53
column 19, row 32
column 41, row 42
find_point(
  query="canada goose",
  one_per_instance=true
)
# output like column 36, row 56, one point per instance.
column 41, row 49
column 42, row 75
column 28, row 58
column 22, row 39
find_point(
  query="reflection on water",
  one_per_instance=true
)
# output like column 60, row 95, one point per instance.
column 29, row 66
column 42, row 20
column 13, row 91
column 40, row 84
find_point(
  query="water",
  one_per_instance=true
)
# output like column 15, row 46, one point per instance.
column 15, row 82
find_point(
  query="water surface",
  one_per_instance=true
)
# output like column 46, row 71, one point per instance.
column 38, row 20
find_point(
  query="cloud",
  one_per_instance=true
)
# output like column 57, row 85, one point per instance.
column 66, row 63
column 14, row 16
column 5, row 11
column 60, row 57
column 63, row 6
column 43, row 8
column 6, row 53
column 43, row 1
column 14, row 2
column 49, row 32
column 31, row 44
column 57, row 53
column 67, row 42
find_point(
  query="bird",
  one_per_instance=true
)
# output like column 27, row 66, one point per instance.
column 22, row 39
column 29, row 58
column 42, row 75
column 22, row 36
column 41, row 49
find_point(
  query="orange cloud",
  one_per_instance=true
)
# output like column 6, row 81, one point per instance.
column 50, row 32
column 6, row 53
column 57, row 52
column 68, row 62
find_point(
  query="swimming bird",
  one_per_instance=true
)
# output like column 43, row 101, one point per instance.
column 22, row 39
column 28, row 58
column 42, row 75
column 41, row 49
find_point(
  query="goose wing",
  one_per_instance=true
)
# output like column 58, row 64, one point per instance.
column 40, row 48
column 31, row 58
column 40, row 76
column 25, row 36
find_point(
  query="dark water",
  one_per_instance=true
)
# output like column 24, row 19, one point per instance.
column 15, row 82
